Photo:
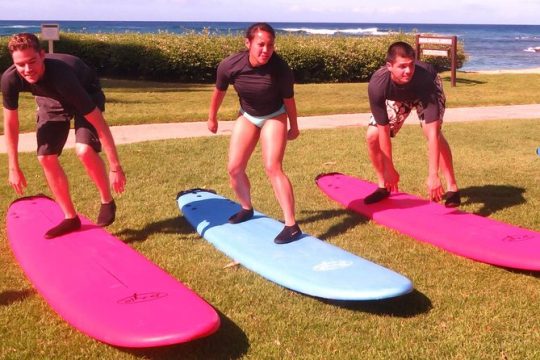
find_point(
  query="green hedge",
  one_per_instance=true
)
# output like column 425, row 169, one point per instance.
column 194, row 57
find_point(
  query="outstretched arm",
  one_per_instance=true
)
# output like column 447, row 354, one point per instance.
column 290, row 108
column 432, row 132
column 391, row 176
column 117, row 177
column 215, row 103
column 11, row 128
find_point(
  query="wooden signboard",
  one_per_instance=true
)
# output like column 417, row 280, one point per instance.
column 430, row 45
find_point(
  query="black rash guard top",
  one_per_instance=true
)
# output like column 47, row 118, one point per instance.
column 261, row 89
column 68, row 86
column 422, row 88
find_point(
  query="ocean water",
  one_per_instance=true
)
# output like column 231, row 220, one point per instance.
column 490, row 47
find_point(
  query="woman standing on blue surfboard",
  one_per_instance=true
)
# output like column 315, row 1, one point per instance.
column 264, row 83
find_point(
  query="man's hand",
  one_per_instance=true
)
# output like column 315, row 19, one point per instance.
column 435, row 190
column 391, row 179
column 212, row 125
column 17, row 180
column 117, row 179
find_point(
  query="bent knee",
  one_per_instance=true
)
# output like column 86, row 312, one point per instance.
column 235, row 170
column 83, row 151
column 372, row 136
column 47, row 160
column 273, row 169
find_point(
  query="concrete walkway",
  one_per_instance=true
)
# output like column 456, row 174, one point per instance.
column 137, row 133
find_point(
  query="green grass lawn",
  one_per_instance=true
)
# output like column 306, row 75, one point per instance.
column 460, row 309
column 136, row 102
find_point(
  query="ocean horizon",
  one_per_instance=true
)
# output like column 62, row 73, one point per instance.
column 489, row 47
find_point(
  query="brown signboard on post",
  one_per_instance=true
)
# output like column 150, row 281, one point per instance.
column 431, row 45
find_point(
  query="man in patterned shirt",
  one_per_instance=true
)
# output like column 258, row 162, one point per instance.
column 394, row 90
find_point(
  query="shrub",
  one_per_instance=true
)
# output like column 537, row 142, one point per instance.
column 194, row 57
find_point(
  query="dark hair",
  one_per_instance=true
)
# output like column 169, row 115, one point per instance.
column 250, row 32
column 401, row 49
column 23, row 41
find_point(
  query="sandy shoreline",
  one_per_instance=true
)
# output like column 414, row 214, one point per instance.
column 516, row 71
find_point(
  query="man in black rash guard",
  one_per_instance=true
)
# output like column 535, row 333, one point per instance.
column 264, row 83
column 64, row 88
column 394, row 90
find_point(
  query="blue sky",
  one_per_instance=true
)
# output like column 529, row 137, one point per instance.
column 376, row 11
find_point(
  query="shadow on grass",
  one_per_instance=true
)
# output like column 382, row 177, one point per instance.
column 531, row 273
column 152, row 86
column 350, row 220
column 229, row 342
column 9, row 297
column 409, row 305
column 118, row 100
column 175, row 225
column 178, row 89
column 493, row 197
column 464, row 81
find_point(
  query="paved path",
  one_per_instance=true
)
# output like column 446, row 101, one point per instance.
column 137, row 133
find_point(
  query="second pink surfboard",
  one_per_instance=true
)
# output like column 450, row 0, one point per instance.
column 469, row 235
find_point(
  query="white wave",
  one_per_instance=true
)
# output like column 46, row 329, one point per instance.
column 369, row 31
column 311, row 31
column 17, row 26
column 526, row 38
column 357, row 31
column 532, row 49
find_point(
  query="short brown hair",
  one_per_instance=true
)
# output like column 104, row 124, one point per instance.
column 401, row 49
column 23, row 41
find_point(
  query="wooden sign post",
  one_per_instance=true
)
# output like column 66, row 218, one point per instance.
column 50, row 32
column 439, row 46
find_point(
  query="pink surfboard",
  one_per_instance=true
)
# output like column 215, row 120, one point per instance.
column 458, row 232
column 100, row 285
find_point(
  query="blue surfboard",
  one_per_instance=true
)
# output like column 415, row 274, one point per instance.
column 308, row 265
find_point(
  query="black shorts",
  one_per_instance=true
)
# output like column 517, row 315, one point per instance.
column 52, row 134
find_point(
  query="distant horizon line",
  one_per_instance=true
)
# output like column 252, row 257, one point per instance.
column 270, row 21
